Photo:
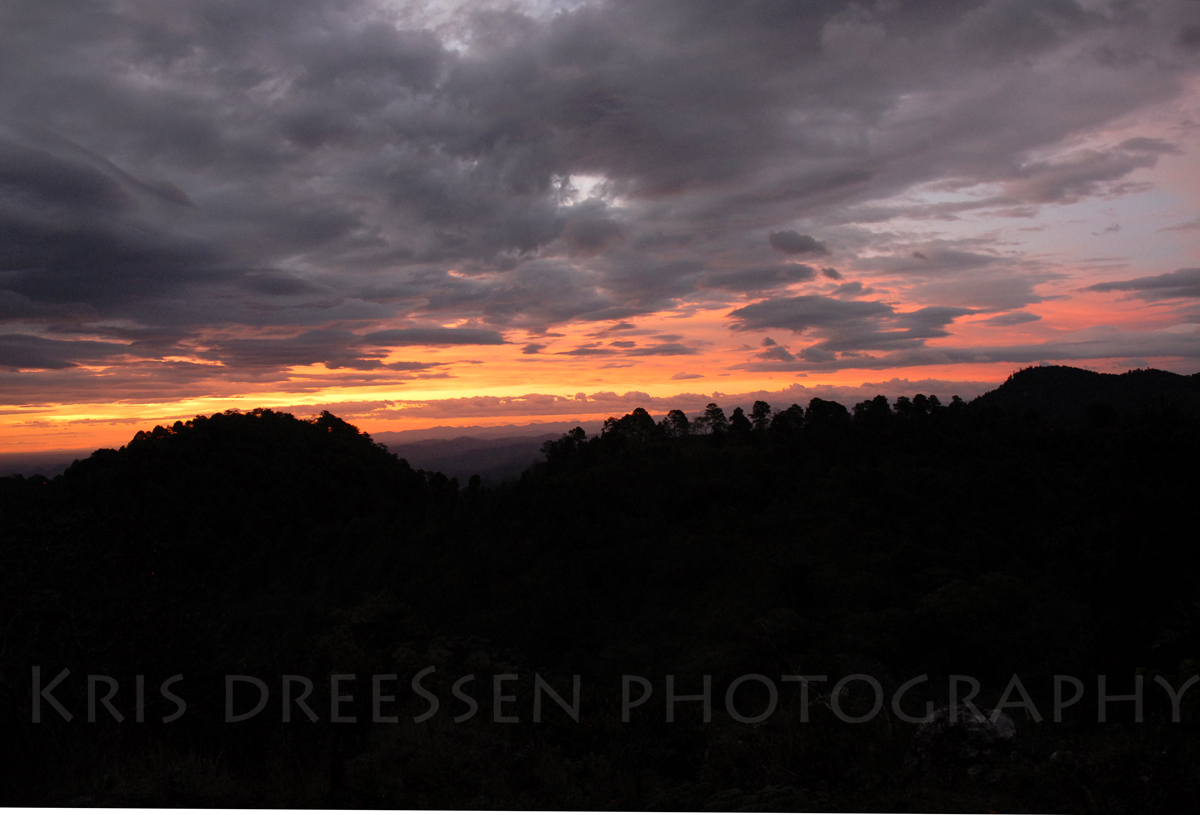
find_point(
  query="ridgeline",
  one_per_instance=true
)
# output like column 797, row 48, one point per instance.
column 1043, row 529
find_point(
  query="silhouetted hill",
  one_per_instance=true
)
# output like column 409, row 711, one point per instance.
column 921, row 537
column 234, row 469
column 1059, row 391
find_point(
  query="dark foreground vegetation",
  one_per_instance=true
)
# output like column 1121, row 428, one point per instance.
column 892, row 540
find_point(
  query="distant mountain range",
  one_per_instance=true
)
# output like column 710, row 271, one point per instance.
column 493, row 460
column 506, row 431
column 492, row 453
column 498, row 453
column 43, row 462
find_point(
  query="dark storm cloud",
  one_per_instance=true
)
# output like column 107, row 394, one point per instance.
column 666, row 349
column 1180, row 283
column 252, row 166
column 76, row 230
column 275, row 284
column 851, row 289
column 847, row 326
column 1086, row 345
column 774, row 352
column 937, row 260
column 588, row 352
column 435, row 336
column 30, row 352
column 540, row 294
column 334, row 348
column 341, row 348
column 1189, row 37
column 751, row 280
column 793, row 243
column 611, row 314
column 799, row 314
column 589, row 231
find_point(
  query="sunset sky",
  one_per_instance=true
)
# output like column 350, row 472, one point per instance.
column 418, row 213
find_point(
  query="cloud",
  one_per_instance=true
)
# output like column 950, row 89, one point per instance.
column 687, row 376
column 77, row 230
column 793, row 243
column 1012, row 318
column 845, row 328
column 1082, row 174
column 800, row 314
column 435, row 336
column 1189, row 37
column 666, row 349
column 773, row 351
column 1143, row 144
column 936, row 259
column 590, row 236
column 851, row 289
column 334, row 348
column 763, row 279
column 1180, row 283
column 23, row 351
column 275, row 185
column 1000, row 290
column 1182, row 343
column 278, row 284
column 587, row 351
column 1187, row 226
column 340, row 348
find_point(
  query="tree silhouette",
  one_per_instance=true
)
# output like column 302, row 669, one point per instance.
column 825, row 414
column 738, row 423
column 637, row 427
column 874, row 413
column 675, row 424
column 712, row 420
column 760, row 415
column 788, row 421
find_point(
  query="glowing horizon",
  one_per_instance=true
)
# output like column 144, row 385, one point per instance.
column 411, row 215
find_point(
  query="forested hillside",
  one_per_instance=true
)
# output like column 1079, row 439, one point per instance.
column 920, row 537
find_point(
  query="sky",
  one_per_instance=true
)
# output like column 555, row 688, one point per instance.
column 480, row 213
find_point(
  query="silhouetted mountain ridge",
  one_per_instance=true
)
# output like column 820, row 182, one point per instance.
column 225, row 470
column 1060, row 391
column 891, row 539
